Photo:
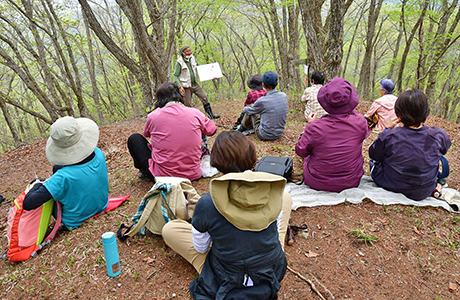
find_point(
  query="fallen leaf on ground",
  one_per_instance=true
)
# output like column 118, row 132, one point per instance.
column 452, row 286
column 384, row 222
column 149, row 260
column 373, row 228
column 311, row 254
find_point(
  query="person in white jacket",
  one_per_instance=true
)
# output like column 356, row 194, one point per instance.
column 310, row 94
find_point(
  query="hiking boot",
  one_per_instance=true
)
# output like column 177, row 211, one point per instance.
column 248, row 132
column 208, row 110
column 237, row 128
column 144, row 177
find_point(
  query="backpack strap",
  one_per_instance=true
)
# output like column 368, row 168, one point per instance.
column 122, row 236
column 144, row 216
column 192, row 196
column 166, row 210
column 53, row 232
column 57, row 224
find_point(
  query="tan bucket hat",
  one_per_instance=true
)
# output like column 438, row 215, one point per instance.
column 71, row 140
column 248, row 200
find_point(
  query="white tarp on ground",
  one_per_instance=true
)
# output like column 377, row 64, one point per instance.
column 303, row 196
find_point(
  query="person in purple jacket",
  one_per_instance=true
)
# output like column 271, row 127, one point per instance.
column 406, row 158
column 332, row 145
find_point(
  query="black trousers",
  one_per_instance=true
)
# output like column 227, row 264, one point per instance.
column 141, row 153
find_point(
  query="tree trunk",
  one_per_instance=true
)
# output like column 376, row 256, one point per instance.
column 324, row 44
column 398, row 43
column 119, row 54
column 312, row 24
column 293, row 54
column 454, row 77
column 408, row 43
column 74, row 78
column 9, row 120
column 92, row 72
column 442, row 42
column 281, row 43
column 48, row 77
column 110, row 107
column 25, row 109
column 334, row 51
column 30, row 82
column 356, row 26
column 364, row 84
column 133, row 11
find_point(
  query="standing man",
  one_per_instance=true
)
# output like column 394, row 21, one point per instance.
column 267, row 116
column 185, row 77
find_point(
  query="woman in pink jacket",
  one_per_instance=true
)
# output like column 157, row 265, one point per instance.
column 383, row 109
column 175, row 133
column 332, row 145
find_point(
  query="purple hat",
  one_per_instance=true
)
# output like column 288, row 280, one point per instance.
column 388, row 85
column 338, row 96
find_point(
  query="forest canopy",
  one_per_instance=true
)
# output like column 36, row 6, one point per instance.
column 104, row 59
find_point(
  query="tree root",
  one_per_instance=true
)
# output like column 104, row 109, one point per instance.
column 312, row 285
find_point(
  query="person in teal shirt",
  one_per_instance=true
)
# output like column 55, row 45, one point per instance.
column 79, row 181
column 185, row 77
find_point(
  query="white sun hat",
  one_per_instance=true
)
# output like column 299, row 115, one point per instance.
column 71, row 140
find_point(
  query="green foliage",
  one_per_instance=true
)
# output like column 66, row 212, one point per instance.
column 100, row 260
column 363, row 237
column 237, row 34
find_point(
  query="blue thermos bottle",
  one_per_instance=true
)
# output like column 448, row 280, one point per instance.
column 112, row 260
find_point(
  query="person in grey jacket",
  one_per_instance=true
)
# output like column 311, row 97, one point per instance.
column 268, row 114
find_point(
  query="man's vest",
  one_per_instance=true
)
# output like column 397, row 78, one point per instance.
column 184, row 76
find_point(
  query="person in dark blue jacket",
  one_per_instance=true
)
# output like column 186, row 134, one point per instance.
column 406, row 158
column 245, row 216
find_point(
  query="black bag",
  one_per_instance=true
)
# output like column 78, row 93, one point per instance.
column 276, row 165
column 373, row 120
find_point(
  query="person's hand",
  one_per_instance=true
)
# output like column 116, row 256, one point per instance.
column 312, row 117
column 37, row 180
column 393, row 122
column 182, row 91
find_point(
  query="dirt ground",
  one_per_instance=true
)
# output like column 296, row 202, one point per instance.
column 415, row 255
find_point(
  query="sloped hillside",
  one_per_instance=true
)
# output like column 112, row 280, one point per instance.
column 415, row 256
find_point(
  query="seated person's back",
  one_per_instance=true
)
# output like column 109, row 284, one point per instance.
column 175, row 134
column 257, row 90
column 384, row 106
column 310, row 96
column 406, row 158
column 269, row 113
column 332, row 145
column 245, row 216
column 80, row 180
column 175, row 131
